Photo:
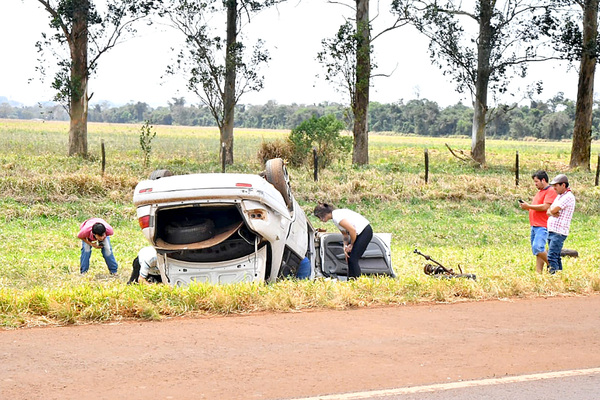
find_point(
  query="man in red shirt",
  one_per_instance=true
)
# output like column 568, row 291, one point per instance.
column 94, row 233
column 538, row 219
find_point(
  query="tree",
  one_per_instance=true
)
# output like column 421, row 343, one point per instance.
column 500, row 46
column 87, row 33
column 347, row 59
column 322, row 134
column 220, row 70
column 360, row 153
column 581, row 44
column 556, row 126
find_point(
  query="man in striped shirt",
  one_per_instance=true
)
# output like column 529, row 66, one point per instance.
column 559, row 220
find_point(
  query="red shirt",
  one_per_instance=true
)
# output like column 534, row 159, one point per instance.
column 544, row 196
column 85, row 229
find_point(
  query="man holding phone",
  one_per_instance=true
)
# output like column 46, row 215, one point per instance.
column 94, row 233
column 538, row 219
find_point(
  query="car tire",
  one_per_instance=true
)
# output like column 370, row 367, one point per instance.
column 277, row 175
column 160, row 173
column 192, row 232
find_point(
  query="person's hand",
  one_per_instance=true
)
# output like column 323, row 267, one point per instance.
column 348, row 248
column 524, row 206
column 96, row 245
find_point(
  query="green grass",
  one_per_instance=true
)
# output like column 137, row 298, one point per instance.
column 465, row 216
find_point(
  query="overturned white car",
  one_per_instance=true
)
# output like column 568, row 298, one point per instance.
column 226, row 228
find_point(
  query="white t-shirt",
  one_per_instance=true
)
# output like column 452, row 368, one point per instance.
column 355, row 219
column 147, row 259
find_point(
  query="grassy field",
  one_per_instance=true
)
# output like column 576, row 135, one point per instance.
column 465, row 216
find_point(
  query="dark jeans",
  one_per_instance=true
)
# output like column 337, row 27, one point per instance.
column 555, row 245
column 358, row 249
column 135, row 274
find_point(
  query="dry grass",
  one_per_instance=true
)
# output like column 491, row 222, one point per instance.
column 464, row 216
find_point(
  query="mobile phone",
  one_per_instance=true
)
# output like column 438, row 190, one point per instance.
column 520, row 201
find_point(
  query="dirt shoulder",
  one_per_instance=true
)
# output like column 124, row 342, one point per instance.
column 273, row 356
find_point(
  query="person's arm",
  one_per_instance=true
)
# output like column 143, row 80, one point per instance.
column 535, row 207
column 144, row 270
column 554, row 210
column 351, row 232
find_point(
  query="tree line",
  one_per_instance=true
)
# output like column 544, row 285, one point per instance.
column 553, row 119
column 481, row 46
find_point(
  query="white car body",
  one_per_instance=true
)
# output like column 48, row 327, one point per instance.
column 259, row 238
column 228, row 228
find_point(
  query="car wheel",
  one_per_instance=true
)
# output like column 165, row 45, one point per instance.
column 160, row 173
column 185, row 232
column 277, row 175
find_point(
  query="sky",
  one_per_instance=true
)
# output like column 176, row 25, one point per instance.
column 135, row 69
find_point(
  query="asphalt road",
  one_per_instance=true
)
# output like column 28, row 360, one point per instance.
column 563, row 385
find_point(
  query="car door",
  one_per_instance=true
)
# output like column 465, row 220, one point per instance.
column 332, row 263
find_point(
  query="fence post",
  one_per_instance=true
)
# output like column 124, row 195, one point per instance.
column 103, row 156
column 517, row 169
column 315, row 164
column 223, row 157
column 598, row 170
column 426, row 166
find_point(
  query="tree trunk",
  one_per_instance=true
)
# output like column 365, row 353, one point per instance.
column 78, row 102
column 360, row 153
column 229, row 90
column 582, row 133
column 480, row 107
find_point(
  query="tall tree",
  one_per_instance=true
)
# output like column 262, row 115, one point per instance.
column 87, row 33
column 360, row 150
column 481, row 48
column 581, row 148
column 219, row 70
column 347, row 59
column 575, row 31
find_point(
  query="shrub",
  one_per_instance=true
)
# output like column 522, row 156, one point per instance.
column 279, row 148
column 146, row 136
column 323, row 134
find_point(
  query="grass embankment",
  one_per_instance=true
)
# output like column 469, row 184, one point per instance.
column 464, row 216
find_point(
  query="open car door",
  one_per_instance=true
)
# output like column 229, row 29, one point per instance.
column 377, row 259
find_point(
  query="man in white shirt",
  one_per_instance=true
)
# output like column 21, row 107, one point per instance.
column 560, row 214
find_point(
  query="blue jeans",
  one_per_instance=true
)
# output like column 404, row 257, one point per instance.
column 303, row 271
column 539, row 236
column 109, row 257
column 555, row 245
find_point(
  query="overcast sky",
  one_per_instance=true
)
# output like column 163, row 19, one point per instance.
column 132, row 71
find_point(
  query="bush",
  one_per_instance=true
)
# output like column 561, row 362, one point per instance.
column 275, row 149
column 146, row 137
column 323, row 134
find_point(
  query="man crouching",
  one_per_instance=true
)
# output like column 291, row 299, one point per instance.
column 145, row 269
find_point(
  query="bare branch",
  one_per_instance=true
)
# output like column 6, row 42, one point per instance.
column 463, row 157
